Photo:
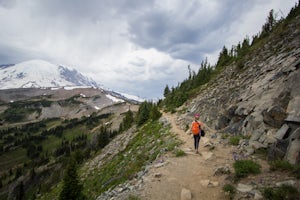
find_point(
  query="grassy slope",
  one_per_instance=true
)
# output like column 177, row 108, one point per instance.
column 150, row 140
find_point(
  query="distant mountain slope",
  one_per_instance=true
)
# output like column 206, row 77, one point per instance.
column 40, row 74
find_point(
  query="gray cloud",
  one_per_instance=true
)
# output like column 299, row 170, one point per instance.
column 188, row 27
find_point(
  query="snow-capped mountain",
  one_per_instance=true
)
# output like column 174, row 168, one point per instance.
column 41, row 74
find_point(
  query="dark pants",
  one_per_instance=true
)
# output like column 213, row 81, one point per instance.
column 196, row 141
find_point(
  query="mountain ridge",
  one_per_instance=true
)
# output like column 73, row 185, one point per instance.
column 41, row 74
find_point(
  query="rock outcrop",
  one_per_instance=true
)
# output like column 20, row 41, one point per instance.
column 261, row 100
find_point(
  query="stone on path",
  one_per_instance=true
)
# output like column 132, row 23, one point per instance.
column 186, row 194
column 244, row 188
column 288, row 182
column 204, row 183
column 206, row 155
column 221, row 170
column 207, row 183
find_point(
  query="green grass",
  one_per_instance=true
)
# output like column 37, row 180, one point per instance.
column 280, row 165
column 245, row 167
column 229, row 190
column 12, row 158
column 179, row 153
column 132, row 197
column 283, row 165
column 51, row 143
column 234, row 140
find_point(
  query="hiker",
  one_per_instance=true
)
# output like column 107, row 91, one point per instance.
column 196, row 129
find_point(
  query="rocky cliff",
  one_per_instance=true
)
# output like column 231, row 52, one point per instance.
column 261, row 99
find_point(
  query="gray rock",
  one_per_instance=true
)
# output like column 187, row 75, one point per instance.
column 282, row 131
column 278, row 150
column 288, row 182
column 274, row 116
column 258, row 132
column 257, row 194
column 164, row 121
column 257, row 145
column 244, row 188
column 269, row 140
column 222, row 170
column 293, row 151
column 293, row 110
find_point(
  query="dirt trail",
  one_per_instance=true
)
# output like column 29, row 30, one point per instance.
column 192, row 172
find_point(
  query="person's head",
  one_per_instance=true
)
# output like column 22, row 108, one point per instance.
column 196, row 116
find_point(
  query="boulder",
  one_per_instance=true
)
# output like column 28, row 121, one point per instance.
column 257, row 145
column 274, row 116
column 293, row 110
column 293, row 151
column 282, row 131
column 258, row 131
column 278, row 150
column 222, row 122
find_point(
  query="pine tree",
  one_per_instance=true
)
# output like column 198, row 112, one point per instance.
column 166, row 91
column 127, row 121
column 20, row 191
column 154, row 113
column 143, row 113
column 103, row 137
column 72, row 190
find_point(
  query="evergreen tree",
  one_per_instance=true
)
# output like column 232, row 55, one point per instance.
column 143, row 113
column 127, row 121
column 103, row 137
column 166, row 91
column 20, row 191
column 72, row 190
column 269, row 25
column 154, row 113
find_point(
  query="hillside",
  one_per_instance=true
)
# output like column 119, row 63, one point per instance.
column 41, row 128
column 249, row 105
column 251, row 110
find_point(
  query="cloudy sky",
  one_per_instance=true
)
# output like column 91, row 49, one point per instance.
column 132, row 46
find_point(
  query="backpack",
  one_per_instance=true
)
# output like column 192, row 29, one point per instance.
column 196, row 127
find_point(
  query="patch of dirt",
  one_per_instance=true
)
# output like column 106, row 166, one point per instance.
column 194, row 172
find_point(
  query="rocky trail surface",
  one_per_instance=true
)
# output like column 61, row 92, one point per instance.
column 192, row 176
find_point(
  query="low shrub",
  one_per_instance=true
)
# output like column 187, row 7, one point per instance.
column 179, row 153
column 284, row 165
column 245, row 167
column 281, row 193
column 234, row 140
column 229, row 190
column 296, row 171
column 280, row 165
